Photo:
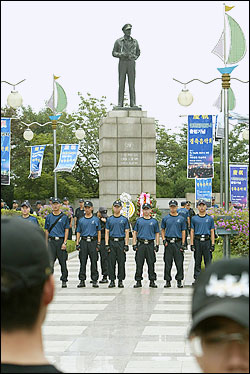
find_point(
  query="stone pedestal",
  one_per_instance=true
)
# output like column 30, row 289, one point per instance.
column 127, row 155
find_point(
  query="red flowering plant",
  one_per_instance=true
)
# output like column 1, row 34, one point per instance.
column 156, row 213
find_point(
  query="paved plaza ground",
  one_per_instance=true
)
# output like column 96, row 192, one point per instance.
column 120, row 330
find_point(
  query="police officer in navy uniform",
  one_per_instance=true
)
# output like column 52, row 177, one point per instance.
column 173, row 232
column 202, row 238
column 88, row 240
column 102, row 214
column 183, row 211
column 79, row 212
column 56, row 233
column 146, row 230
column 116, row 239
column 25, row 209
column 213, row 203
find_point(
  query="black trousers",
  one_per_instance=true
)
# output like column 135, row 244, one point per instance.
column 145, row 252
column 70, row 234
column 126, row 68
column 104, row 258
column 88, row 249
column 172, row 252
column 116, row 255
column 201, row 249
column 62, row 255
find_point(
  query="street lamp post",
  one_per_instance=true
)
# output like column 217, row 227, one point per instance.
column 14, row 100
column 28, row 135
column 225, row 86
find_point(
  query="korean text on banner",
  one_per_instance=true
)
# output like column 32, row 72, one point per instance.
column 203, row 190
column 36, row 161
column 5, row 150
column 200, row 147
column 238, row 184
column 67, row 158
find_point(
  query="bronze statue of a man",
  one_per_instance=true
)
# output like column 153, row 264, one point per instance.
column 127, row 50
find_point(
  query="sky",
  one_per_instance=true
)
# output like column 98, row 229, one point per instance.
column 74, row 40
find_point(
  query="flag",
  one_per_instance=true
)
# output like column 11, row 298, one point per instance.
column 55, row 77
column 227, row 8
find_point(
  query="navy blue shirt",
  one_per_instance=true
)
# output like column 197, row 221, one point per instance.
column 146, row 228
column 117, row 226
column 30, row 219
column 88, row 226
column 183, row 212
column 202, row 225
column 60, row 226
column 215, row 206
column 173, row 225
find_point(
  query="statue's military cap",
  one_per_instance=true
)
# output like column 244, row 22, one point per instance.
column 127, row 26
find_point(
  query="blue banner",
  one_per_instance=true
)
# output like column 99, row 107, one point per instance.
column 36, row 161
column 67, row 158
column 5, row 150
column 238, row 184
column 200, row 147
column 203, row 190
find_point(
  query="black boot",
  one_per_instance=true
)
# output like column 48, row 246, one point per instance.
column 64, row 284
column 179, row 284
column 120, row 284
column 168, row 284
column 112, row 284
column 81, row 284
column 138, row 284
column 104, row 280
column 94, row 284
column 152, row 284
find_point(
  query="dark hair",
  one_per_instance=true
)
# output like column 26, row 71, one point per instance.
column 20, row 305
column 209, row 325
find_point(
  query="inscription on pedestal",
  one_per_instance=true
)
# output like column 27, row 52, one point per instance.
column 132, row 159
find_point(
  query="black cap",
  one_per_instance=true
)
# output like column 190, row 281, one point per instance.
column 38, row 202
column 25, row 203
column 81, row 200
column 127, row 26
column 51, row 198
column 222, row 289
column 14, row 201
column 146, row 206
column 173, row 202
column 117, row 202
column 56, row 200
column 88, row 203
column 65, row 198
column 183, row 203
column 201, row 201
column 103, row 211
column 24, row 253
column 213, row 197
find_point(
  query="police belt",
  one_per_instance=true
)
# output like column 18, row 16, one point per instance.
column 202, row 238
column 116, row 239
column 145, row 241
column 55, row 237
column 89, row 238
column 173, row 240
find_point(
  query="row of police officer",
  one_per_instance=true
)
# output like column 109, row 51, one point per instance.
column 110, row 238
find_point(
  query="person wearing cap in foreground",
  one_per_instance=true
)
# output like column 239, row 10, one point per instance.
column 88, row 241
column 56, row 232
column 27, row 288
column 116, row 240
column 79, row 212
column 173, row 233
column 102, row 214
column 127, row 50
column 202, row 238
column 25, row 209
column 146, row 230
column 219, row 333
